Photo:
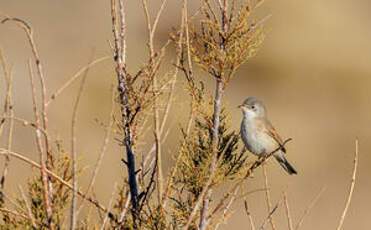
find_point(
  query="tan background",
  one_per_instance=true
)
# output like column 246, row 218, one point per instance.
column 313, row 73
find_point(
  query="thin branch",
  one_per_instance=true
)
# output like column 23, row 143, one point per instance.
column 249, row 172
column 353, row 182
column 29, row 213
column 219, row 91
column 122, row 31
column 107, row 137
column 44, row 178
column 125, row 111
column 289, row 220
column 109, row 207
column 73, row 78
column 268, row 195
column 27, row 28
column 183, row 29
column 205, row 189
column 126, row 206
column 74, row 152
column 225, row 209
column 307, row 210
column 8, row 110
column 252, row 226
column 269, row 217
column 157, row 128
column 24, row 122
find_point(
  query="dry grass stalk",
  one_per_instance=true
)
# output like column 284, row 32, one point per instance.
column 252, row 225
column 351, row 189
column 103, row 150
column 268, row 195
column 307, row 210
column 269, row 217
column 109, row 207
column 29, row 213
column 157, row 129
column 287, row 208
column 74, row 78
column 73, row 219
column 8, row 111
column 43, row 168
column 47, row 152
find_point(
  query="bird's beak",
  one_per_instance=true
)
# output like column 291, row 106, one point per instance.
column 239, row 106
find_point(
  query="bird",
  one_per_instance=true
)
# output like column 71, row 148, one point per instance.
column 258, row 134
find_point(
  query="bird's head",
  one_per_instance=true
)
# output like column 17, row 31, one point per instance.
column 253, row 107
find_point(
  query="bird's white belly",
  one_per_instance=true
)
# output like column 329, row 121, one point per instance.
column 259, row 143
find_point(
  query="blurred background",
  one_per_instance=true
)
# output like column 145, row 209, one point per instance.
column 312, row 72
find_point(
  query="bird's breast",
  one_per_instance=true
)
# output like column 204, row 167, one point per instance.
column 255, row 139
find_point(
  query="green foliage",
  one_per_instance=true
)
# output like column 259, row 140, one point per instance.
column 61, row 196
column 219, row 48
column 196, row 158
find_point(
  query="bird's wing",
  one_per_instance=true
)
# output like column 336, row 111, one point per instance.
column 273, row 133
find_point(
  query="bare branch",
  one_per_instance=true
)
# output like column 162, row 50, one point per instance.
column 124, row 98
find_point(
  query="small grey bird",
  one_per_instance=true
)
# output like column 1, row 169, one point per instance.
column 258, row 134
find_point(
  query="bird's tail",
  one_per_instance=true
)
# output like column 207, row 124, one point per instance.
column 285, row 164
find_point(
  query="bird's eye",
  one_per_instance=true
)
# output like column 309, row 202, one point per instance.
column 253, row 107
